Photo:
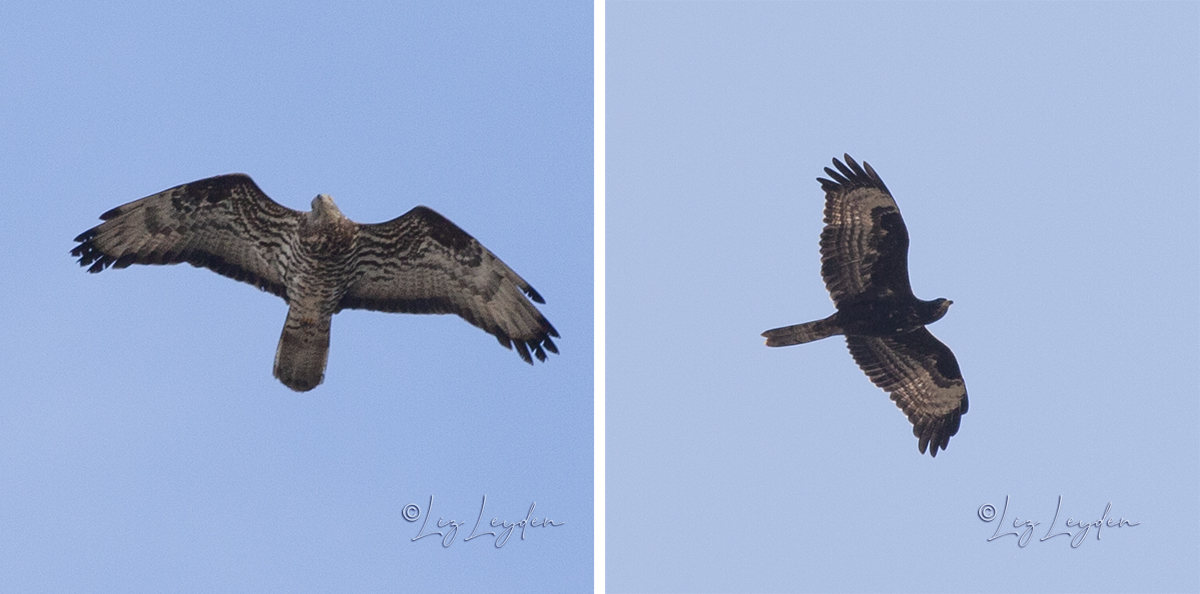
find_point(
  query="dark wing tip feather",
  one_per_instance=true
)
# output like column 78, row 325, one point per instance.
column 537, row 345
column 837, row 177
column 111, row 213
column 523, row 351
column 534, row 347
column 935, row 434
column 529, row 349
column 851, row 175
column 537, row 350
column 89, row 255
column 534, row 295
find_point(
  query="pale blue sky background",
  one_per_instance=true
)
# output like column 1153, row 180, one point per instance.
column 1045, row 157
column 144, row 444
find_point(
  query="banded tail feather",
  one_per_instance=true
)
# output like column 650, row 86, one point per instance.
column 303, row 351
column 802, row 333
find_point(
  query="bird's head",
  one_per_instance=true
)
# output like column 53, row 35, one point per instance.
column 324, row 210
column 939, row 308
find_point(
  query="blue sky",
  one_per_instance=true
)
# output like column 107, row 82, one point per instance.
column 1045, row 158
column 145, row 445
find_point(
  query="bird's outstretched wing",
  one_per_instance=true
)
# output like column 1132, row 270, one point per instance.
column 421, row 262
column 923, row 378
column 224, row 223
column 864, row 246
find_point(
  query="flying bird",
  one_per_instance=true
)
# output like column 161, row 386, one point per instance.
column 864, row 261
column 320, row 263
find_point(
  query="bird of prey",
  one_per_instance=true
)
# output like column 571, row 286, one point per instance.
column 864, row 261
column 320, row 263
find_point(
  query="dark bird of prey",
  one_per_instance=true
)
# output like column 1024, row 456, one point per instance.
column 320, row 263
column 864, row 261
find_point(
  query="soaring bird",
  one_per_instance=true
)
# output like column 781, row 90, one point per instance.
column 864, row 261
column 320, row 263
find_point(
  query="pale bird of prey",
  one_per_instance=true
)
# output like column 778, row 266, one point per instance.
column 320, row 263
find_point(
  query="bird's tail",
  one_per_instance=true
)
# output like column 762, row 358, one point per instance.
column 303, row 351
column 802, row 333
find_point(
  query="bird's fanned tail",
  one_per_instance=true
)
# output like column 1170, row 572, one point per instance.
column 303, row 351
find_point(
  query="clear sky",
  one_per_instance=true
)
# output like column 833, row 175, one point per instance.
column 145, row 445
column 1045, row 157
